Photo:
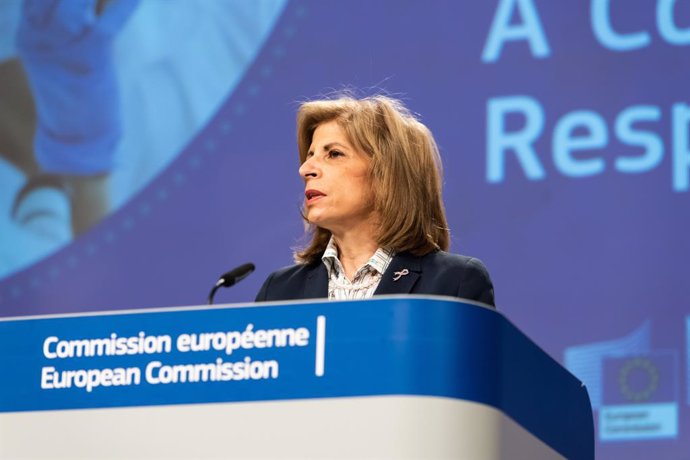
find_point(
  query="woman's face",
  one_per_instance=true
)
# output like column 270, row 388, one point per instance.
column 338, row 195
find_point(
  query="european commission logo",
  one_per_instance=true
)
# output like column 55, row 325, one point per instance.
column 640, row 379
column 633, row 387
column 640, row 397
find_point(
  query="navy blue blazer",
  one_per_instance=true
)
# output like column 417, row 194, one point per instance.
column 437, row 273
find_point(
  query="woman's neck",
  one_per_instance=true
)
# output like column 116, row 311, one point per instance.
column 354, row 250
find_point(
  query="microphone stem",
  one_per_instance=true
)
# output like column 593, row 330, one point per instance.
column 212, row 294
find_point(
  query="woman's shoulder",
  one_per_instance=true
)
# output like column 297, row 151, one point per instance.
column 467, row 274
column 292, row 271
column 450, row 260
column 284, row 283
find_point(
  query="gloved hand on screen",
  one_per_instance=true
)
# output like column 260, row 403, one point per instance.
column 66, row 47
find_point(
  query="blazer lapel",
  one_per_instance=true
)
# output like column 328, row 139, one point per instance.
column 316, row 285
column 401, row 275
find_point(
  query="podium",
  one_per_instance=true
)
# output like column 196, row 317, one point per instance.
column 390, row 377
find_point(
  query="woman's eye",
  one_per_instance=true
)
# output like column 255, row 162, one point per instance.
column 335, row 153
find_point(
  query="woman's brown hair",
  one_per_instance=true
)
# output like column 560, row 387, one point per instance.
column 406, row 172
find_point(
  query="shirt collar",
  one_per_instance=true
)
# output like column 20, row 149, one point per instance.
column 379, row 261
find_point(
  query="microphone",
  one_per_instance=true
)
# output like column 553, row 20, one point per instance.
column 231, row 278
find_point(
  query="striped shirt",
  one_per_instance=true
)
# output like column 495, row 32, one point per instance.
column 365, row 281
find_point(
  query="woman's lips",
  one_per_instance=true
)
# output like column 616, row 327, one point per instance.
column 313, row 195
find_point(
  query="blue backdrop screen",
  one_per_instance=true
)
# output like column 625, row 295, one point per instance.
column 564, row 130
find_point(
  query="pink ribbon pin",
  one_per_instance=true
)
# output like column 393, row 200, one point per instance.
column 400, row 274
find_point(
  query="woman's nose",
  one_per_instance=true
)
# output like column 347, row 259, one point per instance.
column 308, row 169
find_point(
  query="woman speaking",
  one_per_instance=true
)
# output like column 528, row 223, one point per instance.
column 372, row 199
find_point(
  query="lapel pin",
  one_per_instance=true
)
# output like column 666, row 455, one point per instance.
column 400, row 274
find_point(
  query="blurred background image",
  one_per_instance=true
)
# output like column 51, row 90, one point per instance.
column 99, row 96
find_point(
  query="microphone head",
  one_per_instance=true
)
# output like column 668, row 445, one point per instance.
column 236, row 275
column 228, row 279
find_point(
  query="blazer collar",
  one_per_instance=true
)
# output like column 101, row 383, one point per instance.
column 406, row 268
column 316, row 286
